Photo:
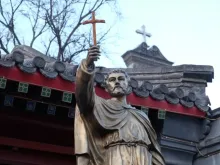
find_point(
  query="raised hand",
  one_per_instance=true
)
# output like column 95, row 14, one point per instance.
column 93, row 55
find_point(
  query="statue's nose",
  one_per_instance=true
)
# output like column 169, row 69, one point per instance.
column 117, row 82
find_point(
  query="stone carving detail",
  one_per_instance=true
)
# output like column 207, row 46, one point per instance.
column 56, row 66
column 179, row 92
column 172, row 98
column 27, row 69
column 18, row 57
column 69, row 73
column 202, row 107
column 7, row 64
column 7, row 61
column 141, row 93
column 157, row 96
column 28, row 66
column 206, row 127
column 39, row 62
column 49, row 73
column 147, row 86
column 134, row 83
column 99, row 78
column 192, row 96
column 185, row 101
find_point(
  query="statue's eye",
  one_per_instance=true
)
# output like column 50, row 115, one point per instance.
column 111, row 79
column 121, row 78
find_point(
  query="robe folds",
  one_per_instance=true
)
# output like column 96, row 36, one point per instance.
column 111, row 133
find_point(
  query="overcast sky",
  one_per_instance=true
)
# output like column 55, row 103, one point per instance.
column 186, row 32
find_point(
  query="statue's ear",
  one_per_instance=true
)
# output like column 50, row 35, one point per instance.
column 104, row 85
column 129, row 90
column 129, row 82
column 106, row 89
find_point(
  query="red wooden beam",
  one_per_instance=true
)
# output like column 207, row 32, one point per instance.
column 33, row 158
column 36, row 120
column 36, row 130
column 38, row 79
column 36, row 146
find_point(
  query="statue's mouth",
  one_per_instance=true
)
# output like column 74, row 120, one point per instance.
column 117, row 87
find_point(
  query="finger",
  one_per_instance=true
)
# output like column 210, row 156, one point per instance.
column 93, row 54
column 94, row 47
column 89, row 53
column 90, row 50
column 94, row 58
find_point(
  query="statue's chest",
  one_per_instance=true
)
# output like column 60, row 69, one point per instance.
column 132, row 131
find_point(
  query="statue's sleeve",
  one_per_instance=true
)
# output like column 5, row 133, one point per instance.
column 84, row 91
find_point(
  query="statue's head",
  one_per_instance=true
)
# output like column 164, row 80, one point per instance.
column 117, row 83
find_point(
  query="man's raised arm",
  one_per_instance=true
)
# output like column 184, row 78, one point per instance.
column 84, row 92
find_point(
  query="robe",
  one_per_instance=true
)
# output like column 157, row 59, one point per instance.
column 111, row 133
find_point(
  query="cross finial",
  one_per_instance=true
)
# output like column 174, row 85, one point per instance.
column 93, row 21
column 143, row 32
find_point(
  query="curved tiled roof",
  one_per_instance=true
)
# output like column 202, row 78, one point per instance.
column 162, row 92
column 50, row 68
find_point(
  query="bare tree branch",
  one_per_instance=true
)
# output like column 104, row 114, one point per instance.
column 3, row 47
column 48, row 46
column 9, row 24
column 41, row 30
column 94, row 8
column 52, row 23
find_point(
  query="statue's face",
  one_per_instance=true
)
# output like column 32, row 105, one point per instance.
column 117, row 84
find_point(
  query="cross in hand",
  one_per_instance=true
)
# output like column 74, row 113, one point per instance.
column 93, row 21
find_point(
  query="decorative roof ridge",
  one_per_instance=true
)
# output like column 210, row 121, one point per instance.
column 215, row 113
column 30, row 52
column 168, row 69
column 150, row 52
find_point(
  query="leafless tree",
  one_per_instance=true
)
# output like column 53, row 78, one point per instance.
column 54, row 24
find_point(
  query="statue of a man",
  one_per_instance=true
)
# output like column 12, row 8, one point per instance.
column 111, row 132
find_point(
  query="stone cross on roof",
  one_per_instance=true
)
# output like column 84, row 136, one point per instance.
column 143, row 33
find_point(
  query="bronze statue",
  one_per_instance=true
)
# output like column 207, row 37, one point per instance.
column 111, row 132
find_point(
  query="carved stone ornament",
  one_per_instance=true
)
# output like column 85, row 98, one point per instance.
column 157, row 96
column 172, row 98
column 147, row 86
column 134, row 83
column 99, row 78
column 141, row 93
column 185, row 101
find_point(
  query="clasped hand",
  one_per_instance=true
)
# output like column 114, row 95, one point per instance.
column 93, row 55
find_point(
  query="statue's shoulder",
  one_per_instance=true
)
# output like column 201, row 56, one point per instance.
column 99, row 100
column 140, row 113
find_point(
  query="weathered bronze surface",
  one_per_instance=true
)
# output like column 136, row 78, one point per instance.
column 111, row 132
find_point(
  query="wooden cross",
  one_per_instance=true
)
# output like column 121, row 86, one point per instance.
column 93, row 22
column 143, row 33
